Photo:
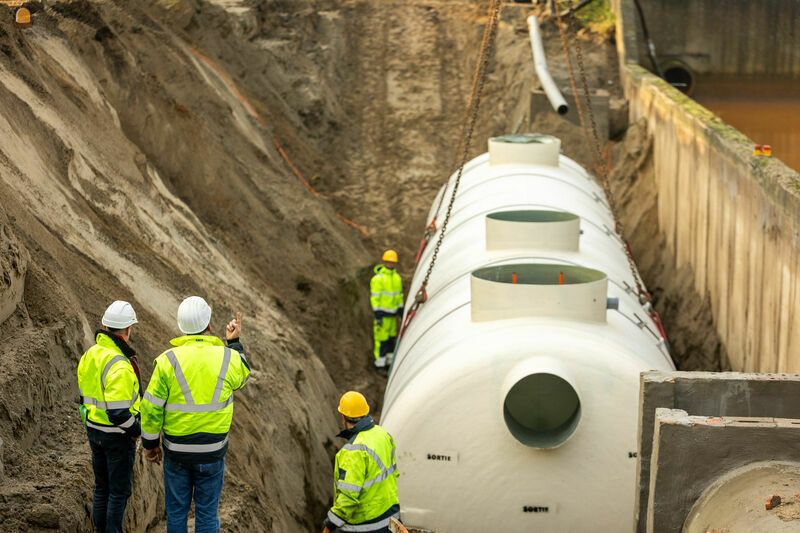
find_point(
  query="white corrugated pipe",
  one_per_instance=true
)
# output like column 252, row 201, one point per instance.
column 513, row 397
column 540, row 63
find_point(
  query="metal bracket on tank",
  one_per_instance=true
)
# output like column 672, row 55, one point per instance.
column 628, row 288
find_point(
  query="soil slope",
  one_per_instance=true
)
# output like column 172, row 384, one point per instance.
column 130, row 169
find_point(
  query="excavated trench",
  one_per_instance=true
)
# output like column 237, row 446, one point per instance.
column 139, row 162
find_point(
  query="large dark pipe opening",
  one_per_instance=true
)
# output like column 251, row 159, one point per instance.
column 680, row 77
column 542, row 410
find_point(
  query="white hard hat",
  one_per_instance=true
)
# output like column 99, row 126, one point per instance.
column 194, row 315
column 119, row 315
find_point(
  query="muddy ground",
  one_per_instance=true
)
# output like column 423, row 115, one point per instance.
column 139, row 162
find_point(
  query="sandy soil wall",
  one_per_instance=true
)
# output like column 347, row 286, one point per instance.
column 130, row 169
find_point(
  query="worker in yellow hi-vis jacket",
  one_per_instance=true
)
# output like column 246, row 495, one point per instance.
column 386, row 297
column 189, row 407
column 365, row 474
column 108, row 380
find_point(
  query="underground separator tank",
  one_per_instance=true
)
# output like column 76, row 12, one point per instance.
column 513, row 396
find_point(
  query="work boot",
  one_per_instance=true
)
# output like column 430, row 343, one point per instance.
column 380, row 362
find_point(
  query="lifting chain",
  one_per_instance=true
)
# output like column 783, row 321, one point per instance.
column 479, row 81
column 584, row 83
column 467, row 130
column 601, row 169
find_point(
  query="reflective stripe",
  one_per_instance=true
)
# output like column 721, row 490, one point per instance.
column 190, row 406
column 226, row 360
column 104, row 429
column 158, row 402
column 114, row 360
column 182, row 383
column 128, row 423
column 150, row 436
column 244, row 382
column 380, row 477
column 333, row 517
column 386, row 309
column 371, row 526
column 195, row 448
column 118, row 404
column 371, row 452
column 349, row 486
column 385, row 293
column 198, row 408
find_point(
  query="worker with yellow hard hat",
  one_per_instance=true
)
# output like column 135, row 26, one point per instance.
column 386, row 298
column 364, row 474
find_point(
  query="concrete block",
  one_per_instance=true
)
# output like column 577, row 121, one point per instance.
column 600, row 107
column 656, row 389
column 714, row 394
column 690, row 453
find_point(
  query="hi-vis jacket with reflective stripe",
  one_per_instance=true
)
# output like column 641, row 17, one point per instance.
column 386, row 292
column 190, row 398
column 365, row 480
column 109, row 387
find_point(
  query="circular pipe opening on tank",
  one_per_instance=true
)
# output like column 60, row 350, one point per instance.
column 563, row 110
column 679, row 75
column 533, row 216
column 540, row 274
column 542, row 410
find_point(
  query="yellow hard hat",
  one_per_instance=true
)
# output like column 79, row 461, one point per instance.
column 390, row 256
column 353, row 405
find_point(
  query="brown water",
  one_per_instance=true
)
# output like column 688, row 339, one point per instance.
column 767, row 111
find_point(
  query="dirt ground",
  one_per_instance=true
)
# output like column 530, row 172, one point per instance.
column 139, row 162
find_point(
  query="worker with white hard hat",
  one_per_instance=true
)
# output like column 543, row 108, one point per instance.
column 386, row 298
column 110, row 389
column 364, row 474
column 190, row 401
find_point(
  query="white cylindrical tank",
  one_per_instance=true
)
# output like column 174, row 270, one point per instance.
column 513, row 395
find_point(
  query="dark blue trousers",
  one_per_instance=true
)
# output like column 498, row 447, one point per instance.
column 112, row 461
column 201, row 482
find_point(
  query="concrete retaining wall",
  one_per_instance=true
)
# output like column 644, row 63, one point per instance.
column 733, row 218
column 724, row 37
